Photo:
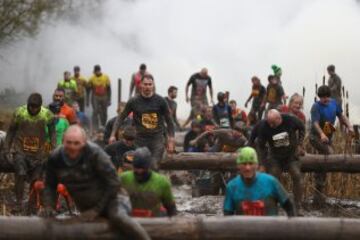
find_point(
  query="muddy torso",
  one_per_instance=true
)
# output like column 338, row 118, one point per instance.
column 31, row 131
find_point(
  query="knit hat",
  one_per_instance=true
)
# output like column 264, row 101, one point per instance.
column 129, row 132
column 142, row 158
column 276, row 69
column 246, row 155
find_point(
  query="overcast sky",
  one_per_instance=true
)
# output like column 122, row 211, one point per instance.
column 234, row 39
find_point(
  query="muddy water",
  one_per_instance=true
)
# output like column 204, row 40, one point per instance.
column 212, row 205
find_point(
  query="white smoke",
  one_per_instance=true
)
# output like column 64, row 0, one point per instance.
column 235, row 39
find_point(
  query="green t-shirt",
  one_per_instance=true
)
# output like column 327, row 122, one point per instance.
column 61, row 126
column 70, row 88
column 150, row 195
column 30, row 130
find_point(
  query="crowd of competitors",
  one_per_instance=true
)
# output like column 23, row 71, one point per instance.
column 51, row 149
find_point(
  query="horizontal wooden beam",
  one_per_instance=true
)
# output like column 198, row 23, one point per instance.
column 209, row 228
column 226, row 162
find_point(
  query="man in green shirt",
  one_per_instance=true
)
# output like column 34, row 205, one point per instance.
column 70, row 87
column 150, row 192
column 61, row 124
column 26, row 138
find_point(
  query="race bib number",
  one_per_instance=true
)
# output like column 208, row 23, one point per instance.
column 281, row 140
column 224, row 123
column 253, row 208
column 100, row 90
column 149, row 120
column 31, row 144
column 141, row 213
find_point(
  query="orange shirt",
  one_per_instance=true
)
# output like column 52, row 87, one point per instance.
column 69, row 113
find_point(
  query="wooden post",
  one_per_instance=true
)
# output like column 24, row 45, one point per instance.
column 226, row 162
column 119, row 90
column 189, row 228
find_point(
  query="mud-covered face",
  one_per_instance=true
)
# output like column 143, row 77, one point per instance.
column 142, row 174
column 296, row 106
column 247, row 170
column 274, row 121
column 173, row 94
column 73, row 145
column 325, row 100
column 208, row 114
column 255, row 82
column 142, row 71
column 59, row 97
column 274, row 81
column 129, row 141
column 33, row 109
column 77, row 72
column 98, row 73
column 147, row 87
column 67, row 76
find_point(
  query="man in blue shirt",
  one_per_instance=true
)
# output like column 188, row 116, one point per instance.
column 254, row 193
column 323, row 117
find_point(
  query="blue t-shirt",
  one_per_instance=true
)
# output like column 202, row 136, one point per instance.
column 322, row 113
column 259, row 198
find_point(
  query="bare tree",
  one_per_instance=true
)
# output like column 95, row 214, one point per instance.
column 20, row 18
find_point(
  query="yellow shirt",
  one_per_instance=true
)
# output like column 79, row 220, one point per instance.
column 99, row 84
column 81, row 85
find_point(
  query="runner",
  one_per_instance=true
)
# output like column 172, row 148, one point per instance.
column 136, row 80
column 199, row 82
column 226, row 140
column 117, row 149
column 222, row 112
column 295, row 107
column 70, row 87
column 335, row 85
column 323, row 117
column 83, row 119
column 150, row 113
column 275, row 95
column 110, row 124
column 277, row 72
column 238, row 114
column 100, row 88
column 81, row 84
column 65, row 110
column 170, row 99
column 258, row 97
column 254, row 193
column 26, row 138
column 194, row 132
column 150, row 192
column 61, row 124
column 284, row 135
column 88, row 174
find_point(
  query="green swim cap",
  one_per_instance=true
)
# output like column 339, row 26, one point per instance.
column 246, row 155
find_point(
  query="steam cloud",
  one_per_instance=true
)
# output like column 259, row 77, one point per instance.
column 235, row 39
